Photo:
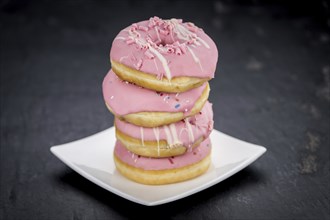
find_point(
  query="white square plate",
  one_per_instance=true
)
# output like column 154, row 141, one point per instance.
column 92, row 157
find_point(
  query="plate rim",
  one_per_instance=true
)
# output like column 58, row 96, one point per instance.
column 54, row 150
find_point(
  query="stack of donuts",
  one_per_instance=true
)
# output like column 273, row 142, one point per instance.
column 158, row 91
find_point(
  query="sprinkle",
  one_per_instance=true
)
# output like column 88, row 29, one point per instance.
column 189, row 148
column 176, row 95
column 130, row 41
column 183, row 48
column 143, row 28
column 187, row 101
column 132, row 29
column 163, row 32
column 149, row 54
column 170, row 50
column 176, row 43
column 186, row 110
column 139, row 64
column 160, row 93
column 177, row 106
column 192, row 41
column 194, row 153
column 190, row 24
column 192, row 29
column 112, row 97
column 171, row 161
column 200, row 113
column 178, row 51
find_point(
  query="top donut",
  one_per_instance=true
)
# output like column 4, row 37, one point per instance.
column 164, row 55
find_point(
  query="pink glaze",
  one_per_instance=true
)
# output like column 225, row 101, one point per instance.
column 184, row 132
column 125, row 98
column 147, row 163
column 167, row 48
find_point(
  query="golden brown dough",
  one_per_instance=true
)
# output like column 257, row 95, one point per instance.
column 159, row 177
column 177, row 84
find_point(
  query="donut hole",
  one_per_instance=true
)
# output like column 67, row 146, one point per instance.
column 161, row 43
column 165, row 41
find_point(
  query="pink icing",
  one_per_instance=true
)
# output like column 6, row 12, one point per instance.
column 201, row 125
column 125, row 98
column 147, row 163
column 167, row 48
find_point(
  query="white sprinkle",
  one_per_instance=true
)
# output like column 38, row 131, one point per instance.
column 120, row 38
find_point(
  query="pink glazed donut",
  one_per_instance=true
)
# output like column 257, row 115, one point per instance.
column 157, row 171
column 168, row 140
column 164, row 55
column 148, row 108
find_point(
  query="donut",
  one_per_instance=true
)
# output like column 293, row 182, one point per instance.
column 164, row 55
column 168, row 140
column 147, row 108
column 157, row 171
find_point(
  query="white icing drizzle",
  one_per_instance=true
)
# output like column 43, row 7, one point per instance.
column 197, row 43
column 183, row 33
column 203, row 42
column 163, row 61
column 120, row 38
column 121, row 58
column 174, row 134
column 161, row 58
column 168, row 136
column 156, row 65
column 142, row 136
column 156, row 132
column 182, row 130
column 158, row 37
column 195, row 58
column 190, row 131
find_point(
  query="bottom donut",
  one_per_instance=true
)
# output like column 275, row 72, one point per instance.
column 158, row 171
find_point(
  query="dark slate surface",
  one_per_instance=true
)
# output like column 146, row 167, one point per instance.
column 271, row 88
